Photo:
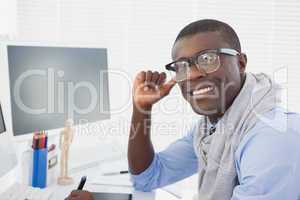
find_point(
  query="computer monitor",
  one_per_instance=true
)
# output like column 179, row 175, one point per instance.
column 2, row 124
column 8, row 156
column 51, row 84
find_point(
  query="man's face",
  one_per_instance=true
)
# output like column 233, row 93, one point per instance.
column 225, row 82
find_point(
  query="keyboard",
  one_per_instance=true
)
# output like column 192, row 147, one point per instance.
column 22, row 192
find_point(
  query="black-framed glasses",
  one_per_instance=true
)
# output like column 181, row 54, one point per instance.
column 207, row 60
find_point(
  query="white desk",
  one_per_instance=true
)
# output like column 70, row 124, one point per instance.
column 61, row 192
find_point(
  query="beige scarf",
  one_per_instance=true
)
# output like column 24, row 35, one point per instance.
column 217, row 173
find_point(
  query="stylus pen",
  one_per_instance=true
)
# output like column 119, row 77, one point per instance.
column 82, row 182
column 115, row 173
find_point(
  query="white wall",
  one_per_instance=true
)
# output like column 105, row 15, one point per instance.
column 8, row 18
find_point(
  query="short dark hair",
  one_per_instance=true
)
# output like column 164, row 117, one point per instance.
column 211, row 25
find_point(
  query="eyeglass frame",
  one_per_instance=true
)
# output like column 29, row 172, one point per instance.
column 193, row 59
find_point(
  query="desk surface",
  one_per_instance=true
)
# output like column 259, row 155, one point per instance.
column 61, row 192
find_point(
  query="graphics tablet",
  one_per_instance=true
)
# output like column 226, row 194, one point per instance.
column 111, row 196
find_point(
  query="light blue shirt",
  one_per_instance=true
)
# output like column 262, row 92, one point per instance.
column 267, row 161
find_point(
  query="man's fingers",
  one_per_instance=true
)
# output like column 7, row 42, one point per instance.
column 140, row 77
column 74, row 193
column 155, row 77
column 148, row 76
column 162, row 78
column 78, row 195
column 149, row 81
column 151, row 78
column 166, row 88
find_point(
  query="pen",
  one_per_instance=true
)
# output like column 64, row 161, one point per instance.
column 115, row 173
column 82, row 182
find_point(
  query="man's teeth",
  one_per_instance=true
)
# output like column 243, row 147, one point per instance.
column 202, row 90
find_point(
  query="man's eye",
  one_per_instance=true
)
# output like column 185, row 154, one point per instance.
column 207, row 58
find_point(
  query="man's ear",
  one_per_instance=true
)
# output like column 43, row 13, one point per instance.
column 242, row 62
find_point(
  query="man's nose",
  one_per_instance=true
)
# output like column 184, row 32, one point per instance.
column 195, row 72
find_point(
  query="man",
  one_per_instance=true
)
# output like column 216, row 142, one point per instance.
column 80, row 195
column 244, row 147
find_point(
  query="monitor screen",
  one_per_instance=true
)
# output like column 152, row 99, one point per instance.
column 49, row 85
column 7, row 152
column 2, row 124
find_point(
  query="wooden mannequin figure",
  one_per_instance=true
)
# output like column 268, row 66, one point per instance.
column 65, row 141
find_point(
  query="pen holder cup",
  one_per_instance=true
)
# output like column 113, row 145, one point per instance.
column 39, row 172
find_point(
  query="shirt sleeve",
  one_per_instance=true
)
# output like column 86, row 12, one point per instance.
column 175, row 163
column 268, row 165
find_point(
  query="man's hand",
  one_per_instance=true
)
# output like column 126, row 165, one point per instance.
column 149, row 87
column 80, row 195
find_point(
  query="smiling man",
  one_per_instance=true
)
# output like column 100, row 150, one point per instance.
column 244, row 146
